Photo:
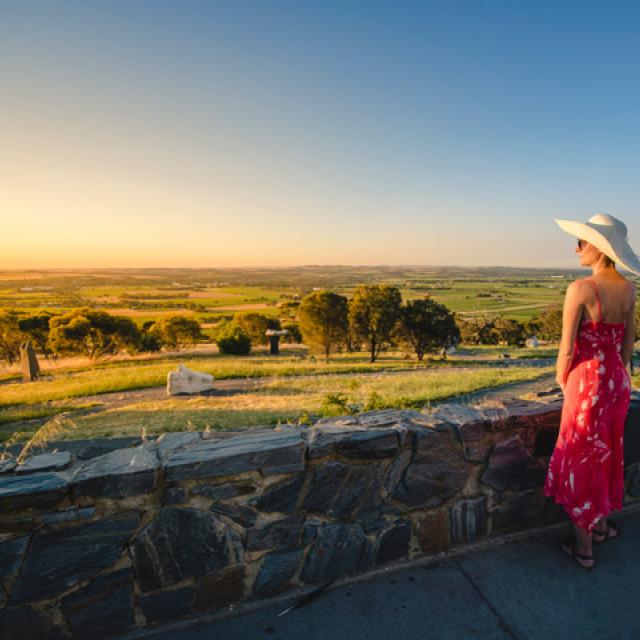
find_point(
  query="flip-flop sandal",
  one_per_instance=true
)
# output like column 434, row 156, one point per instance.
column 612, row 525
column 569, row 541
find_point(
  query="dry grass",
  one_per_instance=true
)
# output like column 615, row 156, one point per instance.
column 294, row 400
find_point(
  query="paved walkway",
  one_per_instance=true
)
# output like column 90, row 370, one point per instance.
column 521, row 590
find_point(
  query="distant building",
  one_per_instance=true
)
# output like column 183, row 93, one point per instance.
column 532, row 342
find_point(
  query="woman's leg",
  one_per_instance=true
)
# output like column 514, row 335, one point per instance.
column 583, row 546
column 604, row 530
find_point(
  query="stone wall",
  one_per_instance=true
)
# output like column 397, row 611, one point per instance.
column 194, row 522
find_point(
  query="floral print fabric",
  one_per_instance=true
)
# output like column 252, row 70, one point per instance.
column 586, row 468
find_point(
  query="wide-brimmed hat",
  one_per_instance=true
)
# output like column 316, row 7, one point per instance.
column 607, row 234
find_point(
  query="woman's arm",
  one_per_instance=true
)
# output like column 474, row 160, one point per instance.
column 572, row 312
column 629, row 331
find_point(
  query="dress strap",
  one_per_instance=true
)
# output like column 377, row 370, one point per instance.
column 595, row 288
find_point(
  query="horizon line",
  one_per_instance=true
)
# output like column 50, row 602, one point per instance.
column 287, row 267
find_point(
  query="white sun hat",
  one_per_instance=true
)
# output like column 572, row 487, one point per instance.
column 607, row 234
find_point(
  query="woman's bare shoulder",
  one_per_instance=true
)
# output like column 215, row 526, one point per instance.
column 579, row 287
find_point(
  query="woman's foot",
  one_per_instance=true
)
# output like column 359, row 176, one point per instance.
column 606, row 529
column 569, row 545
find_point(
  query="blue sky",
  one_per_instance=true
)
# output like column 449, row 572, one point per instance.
column 279, row 133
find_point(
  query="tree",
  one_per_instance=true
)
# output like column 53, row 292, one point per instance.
column 255, row 325
column 511, row 331
column 149, row 341
column 550, row 323
column 478, row 330
column 36, row 328
column 294, row 335
column 323, row 320
column 428, row 326
column 93, row 333
column 10, row 337
column 374, row 311
column 232, row 340
column 176, row 331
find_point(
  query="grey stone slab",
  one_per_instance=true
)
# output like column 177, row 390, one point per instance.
column 166, row 605
column 169, row 443
column 277, row 570
column 225, row 490
column 29, row 623
column 458, row 414
column 511, row 466
column 269, row 453
column 7, row 465
column 45, row 462
column 183, row 543
column 394, row 542
column 519, row 511
column 468, row 520
column 102, row 608
column 282, row 497
column 121, row 473
column 345, row 490
column 11, row 554
column 33, row 491
column 280, row 534
column 59, row 559
column 337, row 549
column 381, row 418
column 437, row 471
column 68, row 515
column 414, row 604
column 242, row 514
column 85, row 449
column 476, row 441
column 354, row 442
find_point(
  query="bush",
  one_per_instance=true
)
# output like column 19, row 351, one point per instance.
column 232, row 340
column 336, row 404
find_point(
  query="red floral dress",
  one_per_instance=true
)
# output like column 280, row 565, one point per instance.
column 586, row 468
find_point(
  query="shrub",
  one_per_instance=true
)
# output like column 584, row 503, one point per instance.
column 232, row 340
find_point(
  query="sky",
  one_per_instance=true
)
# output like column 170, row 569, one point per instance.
column 258, row 133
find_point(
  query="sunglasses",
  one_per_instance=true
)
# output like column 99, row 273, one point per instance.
column 581, row 244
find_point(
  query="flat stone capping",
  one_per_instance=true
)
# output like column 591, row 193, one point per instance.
column 98, row 540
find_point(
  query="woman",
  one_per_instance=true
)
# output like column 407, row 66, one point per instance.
column 586, row 468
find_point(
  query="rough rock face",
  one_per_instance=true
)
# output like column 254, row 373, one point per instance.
column 59, row 559
column 186, row 381
column 191, row 522
column 337, row 549
column 511, row 466
column 182, row 543
column 437, row 471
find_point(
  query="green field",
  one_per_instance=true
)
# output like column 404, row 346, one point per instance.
column 211, row 294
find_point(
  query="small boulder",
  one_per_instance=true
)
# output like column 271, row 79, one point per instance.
column 186, row 381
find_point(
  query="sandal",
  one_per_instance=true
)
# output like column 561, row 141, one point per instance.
column 603, row 536
column 569, row 541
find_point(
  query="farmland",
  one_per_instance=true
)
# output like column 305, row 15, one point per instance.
column 209, row 295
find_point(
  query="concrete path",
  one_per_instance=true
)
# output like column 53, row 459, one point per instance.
column 521, row 590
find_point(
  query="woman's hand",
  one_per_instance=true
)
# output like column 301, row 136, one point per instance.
column 561, row 384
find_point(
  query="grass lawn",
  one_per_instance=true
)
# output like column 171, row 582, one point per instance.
column 91, row 379
column 286, row 399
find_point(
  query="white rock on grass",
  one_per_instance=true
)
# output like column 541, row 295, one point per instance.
column 187, row 381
